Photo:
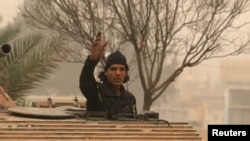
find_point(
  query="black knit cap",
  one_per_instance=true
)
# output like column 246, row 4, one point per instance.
column 116, row 58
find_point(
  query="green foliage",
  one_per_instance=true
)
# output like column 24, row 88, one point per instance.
column 8, row 33
column 31, row 60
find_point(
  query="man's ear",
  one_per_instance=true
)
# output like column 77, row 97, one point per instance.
column 126, row 79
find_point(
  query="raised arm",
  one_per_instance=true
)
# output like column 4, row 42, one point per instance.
column 87, row 79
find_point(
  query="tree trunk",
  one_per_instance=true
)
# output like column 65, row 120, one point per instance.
column 147, row 102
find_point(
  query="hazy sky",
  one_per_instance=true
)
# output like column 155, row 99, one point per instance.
column 8, row 10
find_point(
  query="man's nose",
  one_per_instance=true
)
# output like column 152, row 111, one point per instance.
column 117, row 72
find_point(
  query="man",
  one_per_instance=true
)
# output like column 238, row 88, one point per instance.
column 109, row 96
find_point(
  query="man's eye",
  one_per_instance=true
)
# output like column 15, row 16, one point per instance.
column 113, row 69
column 122, row 69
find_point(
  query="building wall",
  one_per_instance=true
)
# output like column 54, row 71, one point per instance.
column 235, row 71
column 204, row 94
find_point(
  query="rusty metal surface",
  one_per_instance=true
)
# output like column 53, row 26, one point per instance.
column 19, row 128
column 5, row 100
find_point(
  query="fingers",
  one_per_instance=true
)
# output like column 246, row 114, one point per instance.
column 98, row 36
column 97, row 47
column 98, row 40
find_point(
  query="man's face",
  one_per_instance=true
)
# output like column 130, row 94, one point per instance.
column 116, row 74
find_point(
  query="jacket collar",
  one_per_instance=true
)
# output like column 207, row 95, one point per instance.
column 109, row 92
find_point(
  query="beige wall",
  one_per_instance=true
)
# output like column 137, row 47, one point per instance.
column 235, row 70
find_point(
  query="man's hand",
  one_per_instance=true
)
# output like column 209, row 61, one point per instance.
column 97, row 47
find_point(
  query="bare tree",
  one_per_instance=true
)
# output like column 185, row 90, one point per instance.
column 78, row 21
column 158, row 30
column 194, row 31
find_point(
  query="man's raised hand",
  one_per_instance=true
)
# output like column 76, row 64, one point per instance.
column 97, row 47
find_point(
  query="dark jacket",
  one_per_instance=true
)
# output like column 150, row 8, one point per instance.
column 100, row 97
